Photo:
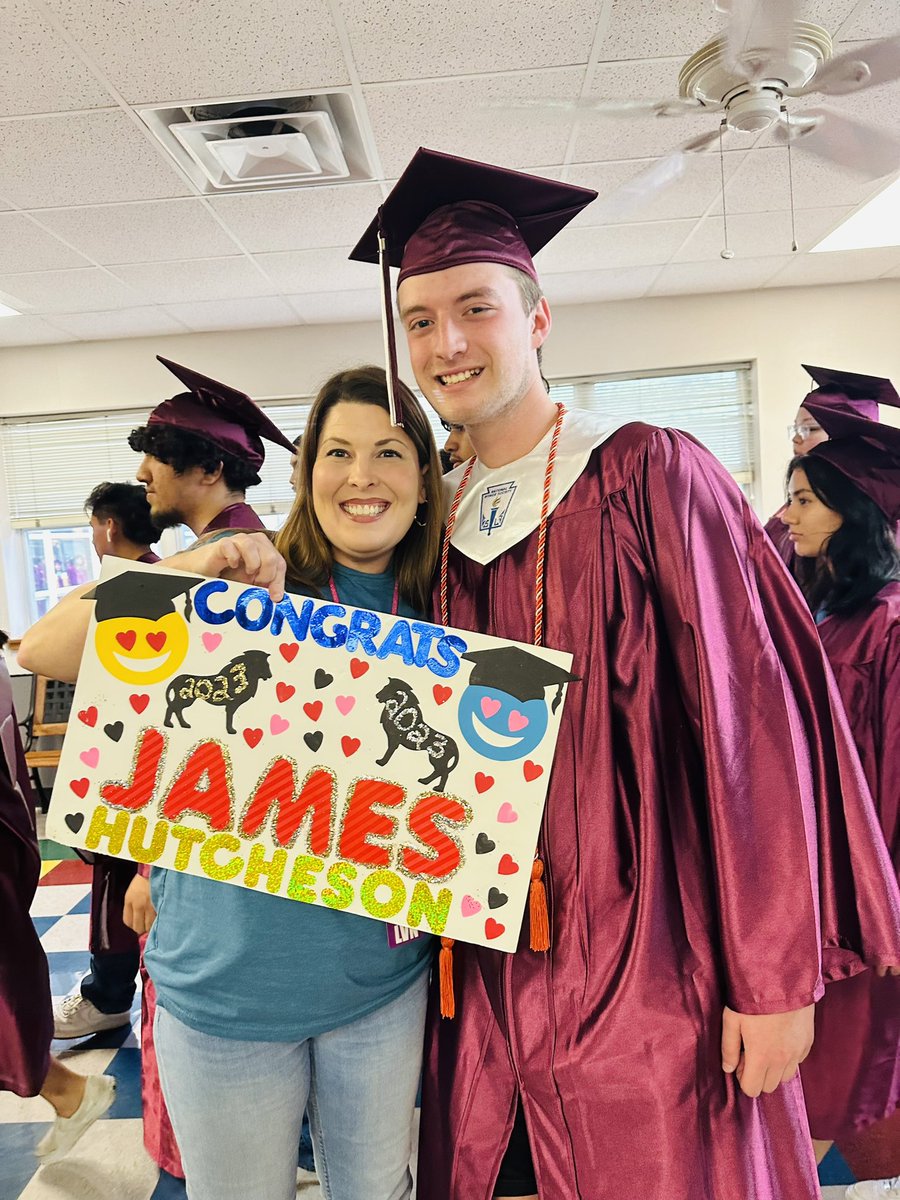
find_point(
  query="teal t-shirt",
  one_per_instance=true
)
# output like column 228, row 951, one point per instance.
column 242, row 964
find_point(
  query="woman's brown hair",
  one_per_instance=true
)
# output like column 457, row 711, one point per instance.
column 301, row 542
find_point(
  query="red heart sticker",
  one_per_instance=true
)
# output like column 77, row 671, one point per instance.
column 88, row 716
column 358, row 667
column 493, row 929
column 313, row 709
column 284, row 691
column 253, row 737
column 483, row 782
column 442, row 694
column 80, row 787
column 531, row 771
column 288, row 651
column 126, row 640
column 349, row 745
column 507, row 865
column 139, row 701
column 156, row 640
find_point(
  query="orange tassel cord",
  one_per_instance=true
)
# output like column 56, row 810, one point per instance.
column 539, row 919
column 448, row 1000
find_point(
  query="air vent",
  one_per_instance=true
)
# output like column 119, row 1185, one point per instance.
column 254, row 144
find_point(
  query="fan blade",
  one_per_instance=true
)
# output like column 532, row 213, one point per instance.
column 567, row 110
column 879, row 62
column 837, row 138
column 758, row 33
column 644, row 186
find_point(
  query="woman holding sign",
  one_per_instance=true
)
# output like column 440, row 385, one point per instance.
column 267, row 1006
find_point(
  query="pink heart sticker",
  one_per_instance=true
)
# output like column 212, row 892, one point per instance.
column 507, row 814
column 278, row 724
column 344, row 704
column 211, row 640
column 91, row 757
column 489, row 707
column 517, row 721
column 469, row 906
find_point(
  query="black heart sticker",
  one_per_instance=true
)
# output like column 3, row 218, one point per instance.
column 484, row 845
column 496, row 898
column 322, row 678
column 114, row 730
column 313, row 740
column 75, row 821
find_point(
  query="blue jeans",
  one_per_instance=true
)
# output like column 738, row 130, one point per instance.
column 237, row 1107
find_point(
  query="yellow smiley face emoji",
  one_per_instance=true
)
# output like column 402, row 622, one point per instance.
column 137, row 650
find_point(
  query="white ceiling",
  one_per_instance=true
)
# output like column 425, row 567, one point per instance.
column 102, row 235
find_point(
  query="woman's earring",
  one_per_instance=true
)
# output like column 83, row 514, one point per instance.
column 421, row 524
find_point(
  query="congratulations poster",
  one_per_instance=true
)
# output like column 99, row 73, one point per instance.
column 330, row 755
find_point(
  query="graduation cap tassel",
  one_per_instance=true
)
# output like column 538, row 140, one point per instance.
column 387, row 326
column 538, row 917
column 445, row 969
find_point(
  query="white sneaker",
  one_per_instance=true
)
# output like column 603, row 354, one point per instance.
column 99, row 1093
column 875, row 1189
column 75, row 1017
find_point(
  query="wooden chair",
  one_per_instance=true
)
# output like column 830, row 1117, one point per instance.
column 51, row 703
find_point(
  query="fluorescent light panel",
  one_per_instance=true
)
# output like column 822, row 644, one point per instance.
column 875, row 224
column 6, row 311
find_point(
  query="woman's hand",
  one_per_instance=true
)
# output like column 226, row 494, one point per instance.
column 139, row 911
column 243, row 557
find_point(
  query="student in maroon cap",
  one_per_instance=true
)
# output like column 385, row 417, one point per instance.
column 843, row 506
column 649, row 1045
column 840, row 391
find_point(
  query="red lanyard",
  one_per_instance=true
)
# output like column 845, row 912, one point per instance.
column 395, row 604
column 542, row 534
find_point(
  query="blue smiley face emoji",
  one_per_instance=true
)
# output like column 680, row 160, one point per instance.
column 500, row 726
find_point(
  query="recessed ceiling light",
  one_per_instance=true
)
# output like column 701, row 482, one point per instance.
column 875, row 224
column 6, row 311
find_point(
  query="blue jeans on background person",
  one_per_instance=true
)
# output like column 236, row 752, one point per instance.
column 237, row 1107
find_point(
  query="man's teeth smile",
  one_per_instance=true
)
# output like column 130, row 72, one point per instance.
column 460, row 376
column 364, row 510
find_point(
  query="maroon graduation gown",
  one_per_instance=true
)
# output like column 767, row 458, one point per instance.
column 235, row 516
column 679, row 849
column 852, row 1077
column 26, row 1015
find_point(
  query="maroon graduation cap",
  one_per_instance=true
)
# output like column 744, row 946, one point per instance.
column 866, row 451
column 445, row 211
column 221, row 414
column 846, row 391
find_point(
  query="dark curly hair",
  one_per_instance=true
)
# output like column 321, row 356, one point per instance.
column 859, row 558
column 127, row 504
column 181, row 450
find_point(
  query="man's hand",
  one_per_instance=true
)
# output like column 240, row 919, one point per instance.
column 765, row 1051
column 245, row 557
column 139, row 911
column 883, row 971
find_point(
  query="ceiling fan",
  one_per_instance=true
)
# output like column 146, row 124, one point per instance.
column 764, row 57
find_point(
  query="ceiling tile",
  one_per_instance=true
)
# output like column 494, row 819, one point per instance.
column 207, row 48
column 120, row 323
column 338, row 307
column 303, row 218
column 83, row 158
column 38, row 71
column 200, row 279
column 738, row 275
column 250, row 312
column 157, row 231
column 420, row 39
column 761, row 183
column 30, row 331
column 689, row 196
column 311, row 271
column 839, row 266
column 586, row 287
column 877, row 19
column 613, row 246
column 90, row 289
column 757, row 235
column 461, row 116
column 24, row 247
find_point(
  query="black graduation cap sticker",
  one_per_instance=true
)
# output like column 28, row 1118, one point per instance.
column 503, row 712
column 140, row 637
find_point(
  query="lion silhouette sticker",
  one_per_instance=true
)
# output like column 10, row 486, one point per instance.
column 233, row 686
column 402, row 721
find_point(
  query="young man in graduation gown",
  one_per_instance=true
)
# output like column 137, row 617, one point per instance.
column 841, row 392
column 202, row 449
column 652, row 1049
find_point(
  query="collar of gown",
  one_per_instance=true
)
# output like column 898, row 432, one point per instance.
column 502, row 505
